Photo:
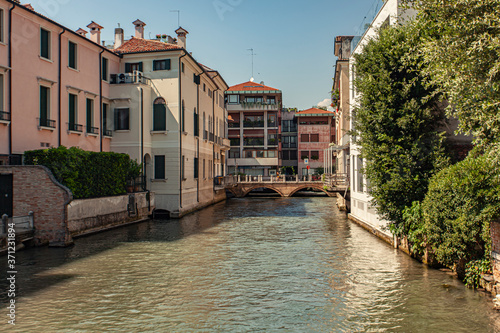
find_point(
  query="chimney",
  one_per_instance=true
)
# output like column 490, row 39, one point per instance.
column 82, row 32
column 181, row 37
column 118, row 38
column 95, row 32
column 139, row 28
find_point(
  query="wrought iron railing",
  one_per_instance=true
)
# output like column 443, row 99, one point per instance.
column 44, row 122
column 92, row 130
column 108, row 133
column 75, row 127
column 4, row 115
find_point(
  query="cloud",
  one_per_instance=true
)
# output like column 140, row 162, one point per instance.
column 326, row 102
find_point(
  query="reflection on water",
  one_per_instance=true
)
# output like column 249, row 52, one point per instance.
column 247, row 265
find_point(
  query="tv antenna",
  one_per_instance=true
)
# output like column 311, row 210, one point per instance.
column 178, row 16
column 252, row 54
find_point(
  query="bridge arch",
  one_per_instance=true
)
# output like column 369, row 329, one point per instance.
column 318, row 187
column 250, row 189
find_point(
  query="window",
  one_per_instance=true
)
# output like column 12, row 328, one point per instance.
column 314, row 137
column 253, row 99
column 122, row 119
column 182, row 117
column 360, row 174
column 196, row 79
column 204, row 176
column 209, row 92
column 73, row 110
column 159, row 166
column 235, row 142
column 1, row 26
column 286, row 155
column 182, row 168
column 272, row 139
column 44, row 43
column 314, row 155
column 271, row 100
column 161, row 65
column 72, row 52
column 90, row 115
column 44, row 106
column 105, row 69
column 1, row 94
column 293, row 154
column 196, row 167
column 159, row 115
column 131, row 67
column 234, row 99
column 105, row 114
column 196, row 125
column 304, row 155
column 304, row 138
column 204, row 87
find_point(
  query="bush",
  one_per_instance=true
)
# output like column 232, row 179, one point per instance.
column 86, row 174
column 461, row 202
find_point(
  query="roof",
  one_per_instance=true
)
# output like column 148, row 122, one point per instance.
column 314, row 112
column 94, row 25
column 139, row 23
column 138, row 45
column 251, row 86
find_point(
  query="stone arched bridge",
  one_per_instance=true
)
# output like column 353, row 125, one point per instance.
column 241, row 186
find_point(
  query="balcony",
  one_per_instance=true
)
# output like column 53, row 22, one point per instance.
column 252, row 106
column 92, row 130
column 272, row 124
column 75, row 127
column 235, row 124
column 4, row 116
column 253, row 124
column 124, row 78
column 47, row 123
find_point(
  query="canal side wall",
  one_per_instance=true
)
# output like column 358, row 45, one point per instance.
column 88, row 216
column 35, row 189
column 218, row 196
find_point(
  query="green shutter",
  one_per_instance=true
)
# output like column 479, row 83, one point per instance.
column 160, row 167
column 128, row 68
column 140, row 66
column 44, row 43
column 89, row 115
column 116, row 119
column 159, row 117
column 104, row 117
column 104, row 69
column 72, row 109
column 154, row 65
column 167, row 66
column 196, row 167
column 44, row 99
column 72, row 55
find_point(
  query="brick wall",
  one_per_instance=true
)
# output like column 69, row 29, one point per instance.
column 495, row 248
column 35, row 189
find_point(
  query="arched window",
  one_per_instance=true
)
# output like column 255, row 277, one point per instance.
column 159, row 115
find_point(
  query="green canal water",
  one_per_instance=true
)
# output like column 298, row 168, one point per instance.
column 245, row 265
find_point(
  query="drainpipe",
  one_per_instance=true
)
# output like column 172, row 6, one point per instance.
column 142, row 129
column 180, row 130
column 213, row 124
column 59, row 79
column 100, row 101
column 198, row 143
column 10, row 79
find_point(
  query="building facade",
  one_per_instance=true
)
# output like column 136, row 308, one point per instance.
column 316, row 130
column 289, row 141
column 254, row 128
column 53, row 84
column 169, row 113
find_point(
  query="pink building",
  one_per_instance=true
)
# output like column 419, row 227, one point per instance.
column 54, row 84
column 316, row 130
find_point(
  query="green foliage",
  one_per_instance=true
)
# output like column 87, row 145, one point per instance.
column 462, row 49
column 474, row 270
column 319, row 171
column 396, row 123
column 413, row 218
column 86, row 174
column 462, row 201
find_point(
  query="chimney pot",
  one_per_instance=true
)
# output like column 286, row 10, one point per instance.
column 181, row 37
column 95, row 32
column 118, row 38
column 139, row 28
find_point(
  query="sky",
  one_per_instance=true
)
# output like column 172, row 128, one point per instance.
column 292, row 40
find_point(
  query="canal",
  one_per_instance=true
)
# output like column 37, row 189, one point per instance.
column 244, row 265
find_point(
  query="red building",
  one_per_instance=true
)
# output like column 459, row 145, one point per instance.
column 316, row 130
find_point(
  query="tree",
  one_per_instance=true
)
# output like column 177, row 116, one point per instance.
column 397, row 122
column 462, row 51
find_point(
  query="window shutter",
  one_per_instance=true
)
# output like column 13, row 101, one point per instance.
column 44, row 43
column 128, row 68
column 160, row 167
column 140, row 66
column 116, row 119
column 159, row 117
column 154, row 65
column 43, row 103
column 72, row 109
column 167, row 64
column 72, row 55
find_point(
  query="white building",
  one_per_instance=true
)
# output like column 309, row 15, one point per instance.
column 391, row 13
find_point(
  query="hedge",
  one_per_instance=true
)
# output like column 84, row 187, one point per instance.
column 87, row 174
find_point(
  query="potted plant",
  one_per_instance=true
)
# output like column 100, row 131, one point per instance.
column 164, row 36
column 158, row 36
column 134, row 171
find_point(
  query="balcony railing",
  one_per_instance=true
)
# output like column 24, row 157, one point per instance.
column 135, row 77
column 205, row 135
column 258, row 123
column 108, row 133
column 5, row 116
column 272, row 124
column 92, row 130
column 235, row 124
column 42, row 122
column 211, row 137
column 75, row 127
column 289, row 145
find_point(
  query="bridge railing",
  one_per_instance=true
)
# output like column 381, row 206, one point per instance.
column 230, row 180
column 336, row 179
column 21, row 223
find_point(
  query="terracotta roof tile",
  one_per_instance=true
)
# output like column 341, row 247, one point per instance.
column 250, row 86
column 137, row 45
column 316, row 111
